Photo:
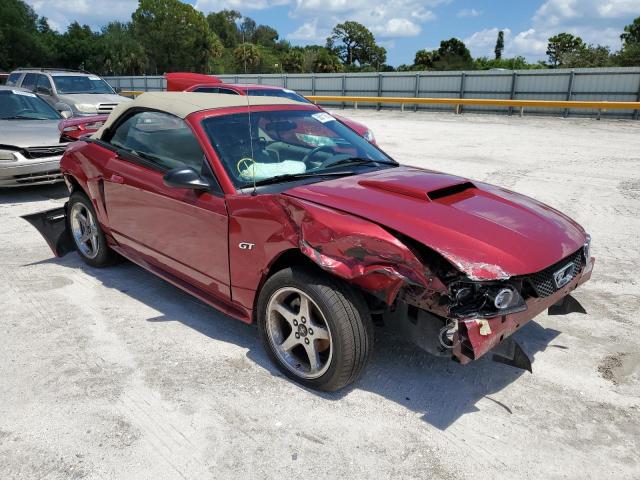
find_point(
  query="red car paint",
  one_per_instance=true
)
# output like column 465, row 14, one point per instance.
column 72, row 129
column 190, row 82
column 363, row 229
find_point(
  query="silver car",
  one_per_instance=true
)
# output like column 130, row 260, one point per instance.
column 30, row 148
column 79, row 92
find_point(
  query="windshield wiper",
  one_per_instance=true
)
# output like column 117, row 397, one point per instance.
column 360, row 161
column 296, row 176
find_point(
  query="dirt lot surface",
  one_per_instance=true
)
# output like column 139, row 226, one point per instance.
column 116, row 374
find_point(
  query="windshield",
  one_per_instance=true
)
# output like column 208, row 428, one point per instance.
column 66, row 84
column 289, row 143
column 276, row 92
column 19, row 105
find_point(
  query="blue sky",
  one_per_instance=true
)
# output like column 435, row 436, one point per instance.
column 402, row 26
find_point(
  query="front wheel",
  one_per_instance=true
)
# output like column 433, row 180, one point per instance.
column 315, row 328
column 86, row 232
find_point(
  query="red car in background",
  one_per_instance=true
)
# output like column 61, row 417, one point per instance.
column 196, row 82
column 278, row 214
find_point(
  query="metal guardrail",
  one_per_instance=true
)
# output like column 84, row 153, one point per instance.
column 581, row 85
column 485, row 102
column 458, row 103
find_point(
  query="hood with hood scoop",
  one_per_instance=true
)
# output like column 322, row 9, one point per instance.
column 487, row 232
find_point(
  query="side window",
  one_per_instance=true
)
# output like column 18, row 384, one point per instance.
column 43, row 85
column 228, row 91
column 207, row 90
column 161, row 140
column 29, row 81
column 13, row 79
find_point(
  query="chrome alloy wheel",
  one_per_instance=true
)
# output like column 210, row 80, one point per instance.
column 299, row 333
column 84, row 229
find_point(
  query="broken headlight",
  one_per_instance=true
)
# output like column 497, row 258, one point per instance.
column 468, row 300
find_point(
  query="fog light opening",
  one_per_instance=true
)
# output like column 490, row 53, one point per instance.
column 446, row 335
column 503, row 298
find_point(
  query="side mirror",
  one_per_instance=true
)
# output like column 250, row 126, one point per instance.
column 66, row 113
column 185, row 177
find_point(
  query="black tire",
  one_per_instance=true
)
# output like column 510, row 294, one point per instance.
column 346, row 314
column 104, row 256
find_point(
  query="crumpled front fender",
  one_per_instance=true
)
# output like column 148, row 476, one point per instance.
column 358, row 250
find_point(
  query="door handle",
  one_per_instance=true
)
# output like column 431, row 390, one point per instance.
column 115, row 178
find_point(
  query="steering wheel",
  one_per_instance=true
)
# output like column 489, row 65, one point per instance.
column 244, row 164
column 315, row 151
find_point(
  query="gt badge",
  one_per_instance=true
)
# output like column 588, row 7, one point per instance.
column 246, row 246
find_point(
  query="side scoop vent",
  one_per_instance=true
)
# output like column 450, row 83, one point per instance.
column 450, row 190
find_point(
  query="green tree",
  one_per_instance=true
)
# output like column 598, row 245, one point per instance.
column 355, row 45
column 326, row 62
column 453, row 54
column 631, row 35
column 499, row 45
column 265, row 35
column 515, row 63
column 629, row 56
column 4, row 53
column 175, row 36
column 20, row 37
column 247, row 29
column 247, row 56
column 77, row 47
column 424, row 59
column 377, row 57
column 223, row 24
column 588, row 57
column 293, row 61
column 122, row 53
column 563, row 46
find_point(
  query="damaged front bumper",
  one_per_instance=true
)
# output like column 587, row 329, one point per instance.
column 468, row 339
column 476, row 337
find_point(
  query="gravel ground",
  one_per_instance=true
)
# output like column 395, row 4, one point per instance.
column 115, row 374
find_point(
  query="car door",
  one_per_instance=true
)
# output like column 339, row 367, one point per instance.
column 183, row 231
column 43, row 88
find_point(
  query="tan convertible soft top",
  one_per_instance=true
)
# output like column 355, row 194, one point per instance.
column 182, row 104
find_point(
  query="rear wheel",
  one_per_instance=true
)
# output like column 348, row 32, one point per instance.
column 315, row 328
column 86, row 232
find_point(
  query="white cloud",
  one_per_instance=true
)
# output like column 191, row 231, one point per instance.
column 216, row 5
column 469, row 12
column 554, row 12
column 392, row 19
column 482, row 43
column 94, row 14
column 308, row 32
column 397, row 27
column 589, row 19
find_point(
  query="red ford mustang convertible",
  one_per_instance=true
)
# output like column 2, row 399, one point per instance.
column 272, row 211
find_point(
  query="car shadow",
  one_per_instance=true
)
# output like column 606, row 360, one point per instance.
column 33, row 193
column 437, row 388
